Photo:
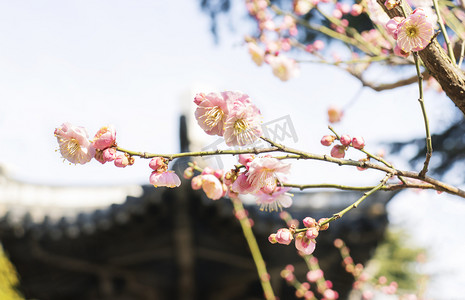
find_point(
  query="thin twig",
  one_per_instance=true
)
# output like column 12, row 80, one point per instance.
column 444, row 31
column 357, row 203
column 429, row 144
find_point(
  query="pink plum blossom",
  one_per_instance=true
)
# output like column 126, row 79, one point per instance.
column 304, row 245
column 399, row 52
column 104, row 138
column 257, row 53
column 242, row 126
column 392, row 26
column 211, row 112
column 415, row 32
column 284, row 236
column 168, row 178
column 274, row 201
column 266, row 171
column 242, row 186
column 74, row 143
column 245, row 159
column 283, row 67
column 212, row 187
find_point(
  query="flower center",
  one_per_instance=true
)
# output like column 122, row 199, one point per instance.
column 71, row 146
column 240, row 126
column 213, row 116
column 411, row 31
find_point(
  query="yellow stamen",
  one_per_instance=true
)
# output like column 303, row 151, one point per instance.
column 411, row 31
column 213, row 116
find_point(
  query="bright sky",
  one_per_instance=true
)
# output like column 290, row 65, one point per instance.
column 137, row 65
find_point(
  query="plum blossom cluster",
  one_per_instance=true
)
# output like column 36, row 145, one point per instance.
column 76, row 147
column 315, row 280
column 339, row 150
column 278, row 32
column 230, row 115
column 368, row 286
column 261, row 177
column 160, row 175
column 305, row 241
column 412, row 33
column 210, row 181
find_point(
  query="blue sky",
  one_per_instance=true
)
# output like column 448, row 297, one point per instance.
column 137, row 64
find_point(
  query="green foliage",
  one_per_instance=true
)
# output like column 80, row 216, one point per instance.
column 8, row 279
column 397, row 261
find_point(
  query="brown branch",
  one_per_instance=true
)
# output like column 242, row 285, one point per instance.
column 389, row 86
column 447, row 74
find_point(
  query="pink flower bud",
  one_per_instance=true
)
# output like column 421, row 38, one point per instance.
column 199, row 98
column 109, row 154
column 330, row 294
column 314, row 275
column 338, row 151
column 158, row 164
column 334, row 114
column 207, row 170
column 318, row 45
column 337, row 13
column 338, row 243
column 309, row 222
column 245, row 159
column 345, row 140
column 218, row 173
column 327, row 140
column 104, row 138
column 358, row 142
column 356, row 10
column 284, row 236
column 311, row 233
column 272, row 238
column 390, row 4
column 188, row 173
column 121, row 161
column 196, row 182
column 304, row 245
column 324, row 227
column 382, row 280
column 212, row 187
